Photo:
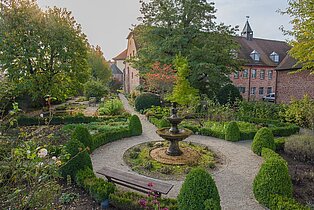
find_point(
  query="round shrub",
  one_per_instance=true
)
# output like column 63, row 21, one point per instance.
column 79, row 159
column 146, row 100
column 198, row 190
column 232, row 132
column 135, row 126
column 273, row 178
column 263, row 138
column 82, row 134
column 228, row 94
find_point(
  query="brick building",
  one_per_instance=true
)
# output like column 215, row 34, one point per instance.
column 292, row 85
column 261, row 56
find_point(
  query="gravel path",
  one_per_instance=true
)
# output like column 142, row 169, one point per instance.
column 234, row 179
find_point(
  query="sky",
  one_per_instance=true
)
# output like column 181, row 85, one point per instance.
column 107, row 22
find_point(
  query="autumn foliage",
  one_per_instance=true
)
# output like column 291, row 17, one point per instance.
column 160, row 78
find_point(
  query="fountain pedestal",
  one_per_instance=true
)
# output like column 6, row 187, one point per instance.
column 173, row 134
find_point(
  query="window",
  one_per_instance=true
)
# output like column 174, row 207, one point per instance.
column 254, row 73
column 270, row 74
column 275, row 57
column 253, row 90
column 236, row 75
column 262, row 74
column 261, row 90
column 269, row 90
column 132, row 75
column 245, row 73
column 255, row 55
column 241, row 89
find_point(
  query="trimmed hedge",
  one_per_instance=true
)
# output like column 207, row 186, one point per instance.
column 98, row 188
column 268, row 153
column 130, row 201
column 279, row 202
column 79, row 159
column 105, row 138
column 159, row 123
column 263, row 138
column 82, row 134
column 63, row 120
column 280, row 144
column 146, row 100
column 232, row 132
column 273, row 178
column 198, row 190
column 209, row 132
column 135, row 126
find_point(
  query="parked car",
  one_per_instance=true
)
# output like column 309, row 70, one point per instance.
column 269, row 97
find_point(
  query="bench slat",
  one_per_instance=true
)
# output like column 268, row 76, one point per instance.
column 136, row 180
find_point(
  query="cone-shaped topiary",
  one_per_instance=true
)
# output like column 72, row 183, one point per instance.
column 79, row 159
column 232, row 132
column 135, row 126
column 199, row 191
column 273, row 178
column 82, row 134
column 263, row 138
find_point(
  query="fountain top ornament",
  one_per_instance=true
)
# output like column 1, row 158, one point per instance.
column 174, row 134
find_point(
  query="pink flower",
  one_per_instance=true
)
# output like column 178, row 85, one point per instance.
column 143, row 202
column 150, row 184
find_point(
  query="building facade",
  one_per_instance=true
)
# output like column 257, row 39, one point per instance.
column 291, row 84
column 257, row 77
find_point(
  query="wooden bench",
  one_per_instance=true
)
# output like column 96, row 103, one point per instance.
column 135, row 182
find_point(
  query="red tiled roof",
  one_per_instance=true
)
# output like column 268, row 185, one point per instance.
column 121, row 56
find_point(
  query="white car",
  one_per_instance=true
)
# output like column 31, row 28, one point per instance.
column 269, row 97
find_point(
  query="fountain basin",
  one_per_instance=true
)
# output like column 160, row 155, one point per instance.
column 167, row 135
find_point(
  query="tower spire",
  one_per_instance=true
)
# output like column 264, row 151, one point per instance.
column 247, row 31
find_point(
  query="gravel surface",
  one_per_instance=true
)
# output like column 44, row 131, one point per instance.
column 233, row 179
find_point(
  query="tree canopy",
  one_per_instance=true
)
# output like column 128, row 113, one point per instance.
column 42, row 52
column 186, row 27
column 99, row 67
column 302, row 14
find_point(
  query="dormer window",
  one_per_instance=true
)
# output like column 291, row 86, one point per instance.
column 255, row 55
column 275, row 57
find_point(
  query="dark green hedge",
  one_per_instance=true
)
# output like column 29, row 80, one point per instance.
column 98, row 188
column 79, row 159
column 159, row 123
column 198, row 192
column 105, row 138
column 146, row 100
column 135, row 126
column 82, row 134
column 280, row 144
column 209, row 132
column 62, row 120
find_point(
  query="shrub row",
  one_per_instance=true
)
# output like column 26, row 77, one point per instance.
column 272, row 186
column 130, row 201
column 146, row 100
column 300, row 147
column 159, row 123
column 62, row 120
column 98, row 188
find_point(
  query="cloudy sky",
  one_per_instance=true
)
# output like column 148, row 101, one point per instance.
column 107, row 22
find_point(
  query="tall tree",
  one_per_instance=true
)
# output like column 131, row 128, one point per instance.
column 43, row 52
column 99, row 67
column 302, row 14
column 186, row 27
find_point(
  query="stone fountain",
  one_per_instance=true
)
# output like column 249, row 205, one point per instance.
column 173, row 134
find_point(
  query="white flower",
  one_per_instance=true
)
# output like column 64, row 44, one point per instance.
column 41, row 115
column 28, row 152
column 54, row 158
column 42, row 153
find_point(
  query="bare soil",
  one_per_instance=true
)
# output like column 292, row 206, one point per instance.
column 302, row 175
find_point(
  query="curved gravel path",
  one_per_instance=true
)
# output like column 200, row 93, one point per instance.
column 234, row 179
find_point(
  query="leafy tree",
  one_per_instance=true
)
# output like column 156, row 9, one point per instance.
column 160, row 78
column 99, row 67
column 228, row 94
column 43, row 52
column 302, row 16
column 183, row 93
column 171, row 27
